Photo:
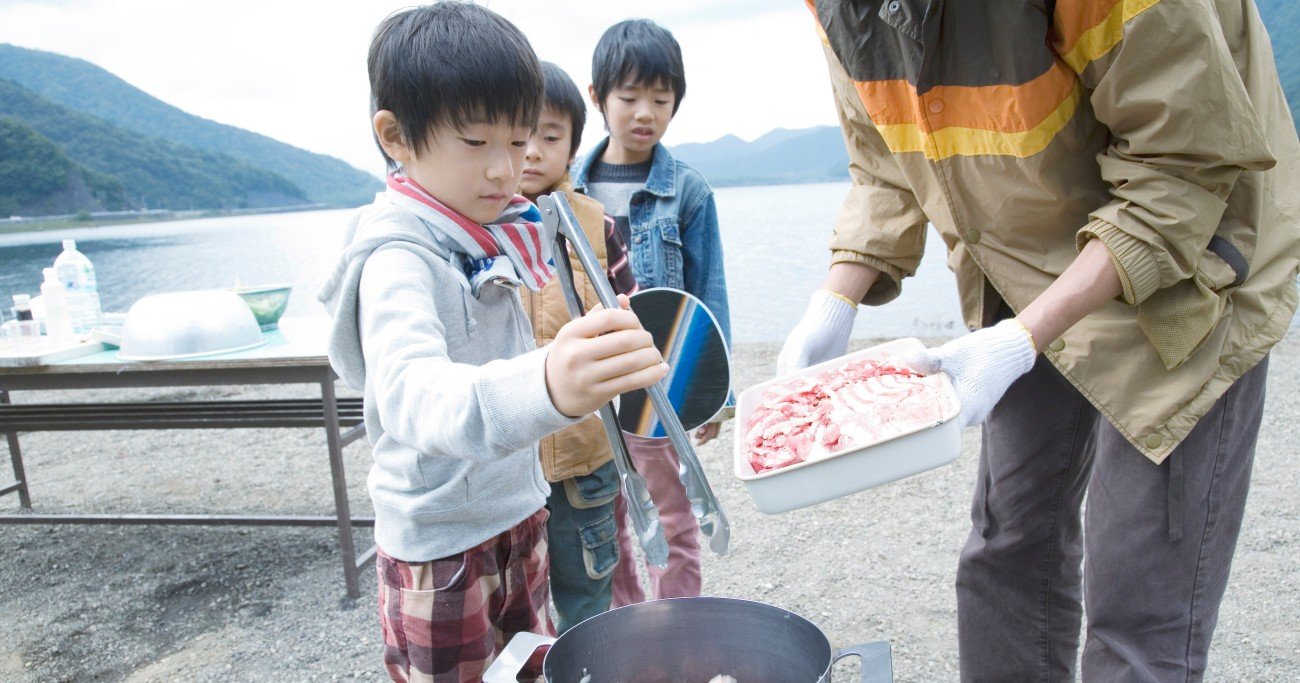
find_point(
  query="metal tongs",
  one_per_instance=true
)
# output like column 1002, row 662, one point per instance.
column 562, row 230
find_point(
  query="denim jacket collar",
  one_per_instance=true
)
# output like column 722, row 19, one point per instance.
column 663, row 172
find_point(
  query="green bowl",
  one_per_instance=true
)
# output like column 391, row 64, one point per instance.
column 266, row 302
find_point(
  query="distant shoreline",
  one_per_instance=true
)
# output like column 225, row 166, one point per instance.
column 104, row 219
column 731, row 181
column 107, row 218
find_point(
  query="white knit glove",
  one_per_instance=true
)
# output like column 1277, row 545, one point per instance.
column 822, row 334
column 982, row 365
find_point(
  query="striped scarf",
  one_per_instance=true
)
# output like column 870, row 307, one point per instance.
column 516, row 234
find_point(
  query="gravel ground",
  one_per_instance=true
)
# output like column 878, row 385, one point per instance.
column 101, row 603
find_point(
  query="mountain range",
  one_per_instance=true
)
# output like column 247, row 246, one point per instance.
column 808, row 155
column 74, row 137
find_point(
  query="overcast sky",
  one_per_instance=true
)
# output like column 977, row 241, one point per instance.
column 295, row 70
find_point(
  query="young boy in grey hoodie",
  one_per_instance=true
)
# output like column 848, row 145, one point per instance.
column 428, row 322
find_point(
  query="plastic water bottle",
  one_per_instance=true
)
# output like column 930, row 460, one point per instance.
column 58, row 316
column 76, row 273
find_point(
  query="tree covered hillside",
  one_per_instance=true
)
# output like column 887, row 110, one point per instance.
column 86, row 88
column 119, row 168
column 36, row 177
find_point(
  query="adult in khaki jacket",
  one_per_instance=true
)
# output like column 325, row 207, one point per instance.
column 1116, row 182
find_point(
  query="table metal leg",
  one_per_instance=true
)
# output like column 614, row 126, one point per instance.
column 337, row 474
column 16, row 457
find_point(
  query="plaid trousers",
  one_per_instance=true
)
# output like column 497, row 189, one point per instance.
column 444, row 621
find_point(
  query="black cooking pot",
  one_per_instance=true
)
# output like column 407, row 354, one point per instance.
column 690, row 640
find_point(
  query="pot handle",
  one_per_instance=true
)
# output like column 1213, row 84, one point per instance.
column 511, row 660
column 877, row 661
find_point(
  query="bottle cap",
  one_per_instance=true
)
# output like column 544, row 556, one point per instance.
column 22, row 301
column 69, row 244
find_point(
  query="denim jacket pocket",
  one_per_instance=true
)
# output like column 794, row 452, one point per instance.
column 670, row 249
column 657, row 253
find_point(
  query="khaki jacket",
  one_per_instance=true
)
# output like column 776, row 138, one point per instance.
column 581, row 448
column 1023, row 128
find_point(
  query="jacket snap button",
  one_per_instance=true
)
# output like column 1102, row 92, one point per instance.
column 1154, row 440
column 973, row 236
column 893, row 6
column 1057, row 346
column 936, row 106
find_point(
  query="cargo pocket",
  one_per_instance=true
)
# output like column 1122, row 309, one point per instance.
column 599, row 547
column 436, row 591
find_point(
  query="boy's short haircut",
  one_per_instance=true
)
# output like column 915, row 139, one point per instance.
column 563, row 96
column 641, row 50
column 452, row 64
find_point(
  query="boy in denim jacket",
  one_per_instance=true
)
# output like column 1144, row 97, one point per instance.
column 427, row 321
column 577, row 461
column 666, row 214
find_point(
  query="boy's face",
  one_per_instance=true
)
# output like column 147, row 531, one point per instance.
column 637, row 115
column 474, row 170
column 548, row 154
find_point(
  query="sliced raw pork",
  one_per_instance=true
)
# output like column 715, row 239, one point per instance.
column 860, row 404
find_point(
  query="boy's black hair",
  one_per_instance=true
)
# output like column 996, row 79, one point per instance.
column 638, row 49
column 452, row 64
column 563, row 96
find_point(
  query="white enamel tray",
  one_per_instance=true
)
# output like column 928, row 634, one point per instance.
column 853, row 469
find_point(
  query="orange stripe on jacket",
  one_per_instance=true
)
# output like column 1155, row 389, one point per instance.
column 1002, row 108
column 1085, row 34
column 1075, row 17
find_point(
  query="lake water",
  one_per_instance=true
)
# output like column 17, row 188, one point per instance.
column 774, row 239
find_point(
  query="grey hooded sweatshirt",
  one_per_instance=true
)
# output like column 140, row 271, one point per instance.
column 455, row 390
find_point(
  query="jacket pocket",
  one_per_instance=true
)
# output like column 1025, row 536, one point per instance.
column 446, row 485
column 397, row 468
column 1179, row 318
column 904, row 16
column 670, row 249
column 599, row 547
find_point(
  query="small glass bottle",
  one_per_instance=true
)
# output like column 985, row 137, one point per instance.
column 29, row 330
column 9, row 336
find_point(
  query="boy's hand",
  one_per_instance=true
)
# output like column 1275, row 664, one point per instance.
column 707, row 432
column 599, row 356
